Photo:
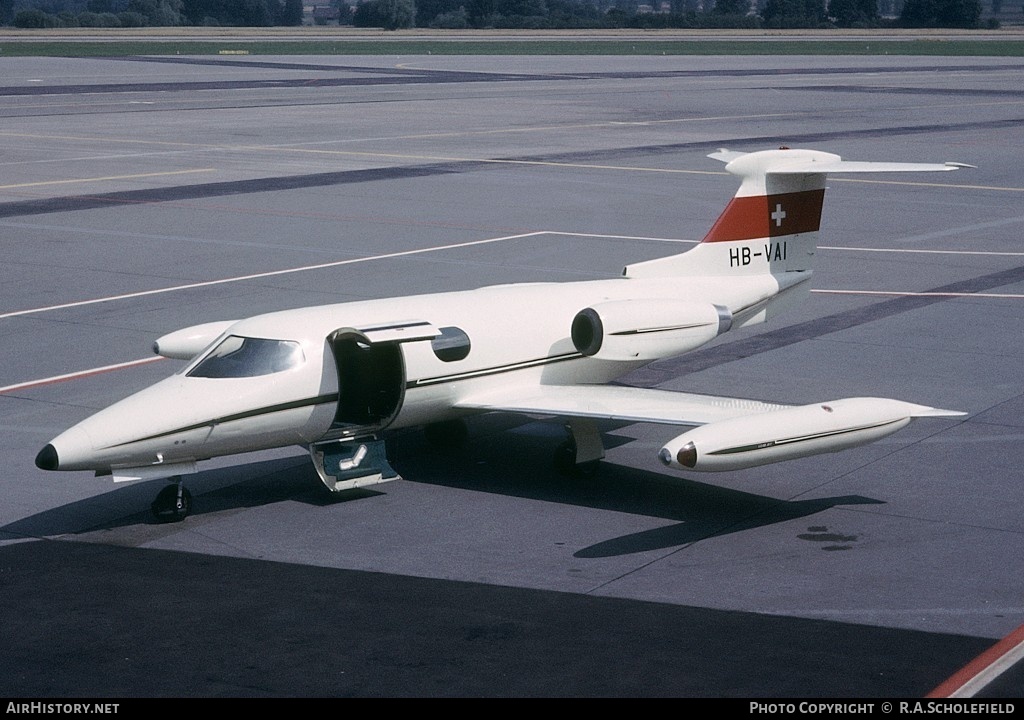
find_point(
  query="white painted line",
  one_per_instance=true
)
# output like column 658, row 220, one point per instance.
column 994, row 253
column 144, row 361
column 621, row 237
column 984, row 669
column 77, row 375
column 485, row 241
column 272, row 273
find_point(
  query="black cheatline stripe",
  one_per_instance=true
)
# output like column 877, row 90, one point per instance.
column 667, row 328
column 665, row 370
column 800, row 439
column 496, row 370
column 395, row 326
column 268, row 410
column 333, row 397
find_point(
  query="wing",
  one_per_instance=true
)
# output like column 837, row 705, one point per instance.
column 612, row 402
column 734, row 434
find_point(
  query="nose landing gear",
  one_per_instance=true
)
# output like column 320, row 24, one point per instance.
column 173, row 503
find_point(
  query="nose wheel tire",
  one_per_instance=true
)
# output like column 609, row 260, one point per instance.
column 172, row 504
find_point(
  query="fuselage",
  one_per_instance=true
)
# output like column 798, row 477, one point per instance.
column 313, row 373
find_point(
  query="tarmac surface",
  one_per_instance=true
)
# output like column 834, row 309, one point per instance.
column 146, row 194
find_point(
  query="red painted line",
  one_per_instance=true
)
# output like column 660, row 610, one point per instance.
column 764, row 216
column 77, row 375
column 986, row 664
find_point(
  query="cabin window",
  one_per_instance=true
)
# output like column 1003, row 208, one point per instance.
column 239, row 357
column 451, row 345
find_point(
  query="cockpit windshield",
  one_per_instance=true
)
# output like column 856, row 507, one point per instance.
column 240, row 357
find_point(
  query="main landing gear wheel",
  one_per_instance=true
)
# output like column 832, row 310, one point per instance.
column 447, row 433
column 172, row 504
column 581, row 454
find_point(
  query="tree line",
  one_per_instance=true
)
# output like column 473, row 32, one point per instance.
column 531, row 14
column 654, row 14
column 152, row 13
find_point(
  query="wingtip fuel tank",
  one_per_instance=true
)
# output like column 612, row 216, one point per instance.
column 791, row 433
column 188, row 342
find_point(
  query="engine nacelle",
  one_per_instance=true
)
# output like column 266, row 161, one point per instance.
column 188, row 342
column 647, row 329
column 790, row 433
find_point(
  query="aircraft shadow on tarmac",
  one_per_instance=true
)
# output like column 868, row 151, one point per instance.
column 500, row 457
column 511, row 463
column 225, row 489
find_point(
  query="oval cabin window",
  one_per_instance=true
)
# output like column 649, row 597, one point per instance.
column 451, row 345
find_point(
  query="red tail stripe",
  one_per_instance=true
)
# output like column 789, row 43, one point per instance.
column 761, row 216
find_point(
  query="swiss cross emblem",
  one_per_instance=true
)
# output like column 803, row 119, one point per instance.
column 779, row 215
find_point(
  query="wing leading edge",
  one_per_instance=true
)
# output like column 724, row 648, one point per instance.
column 611, row 402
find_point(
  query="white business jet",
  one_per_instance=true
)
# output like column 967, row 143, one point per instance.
column 333, row 378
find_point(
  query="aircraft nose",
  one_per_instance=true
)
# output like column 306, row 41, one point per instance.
column 71, row 450
column 47, row 458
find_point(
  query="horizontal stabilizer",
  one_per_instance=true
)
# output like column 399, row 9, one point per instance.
column 726, row 156
column 801, row 164
column 854, row 166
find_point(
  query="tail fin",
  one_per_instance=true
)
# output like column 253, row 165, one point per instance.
column 771, row 225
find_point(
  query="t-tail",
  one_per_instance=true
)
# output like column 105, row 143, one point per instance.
column 771, row 226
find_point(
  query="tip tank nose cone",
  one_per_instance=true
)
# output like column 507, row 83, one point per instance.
column 687, row 455
column 47, row 458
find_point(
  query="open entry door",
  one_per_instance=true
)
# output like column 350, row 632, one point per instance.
column 371, row 382
column 371, row 387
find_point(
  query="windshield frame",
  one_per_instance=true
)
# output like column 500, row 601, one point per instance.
column 240, row 356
